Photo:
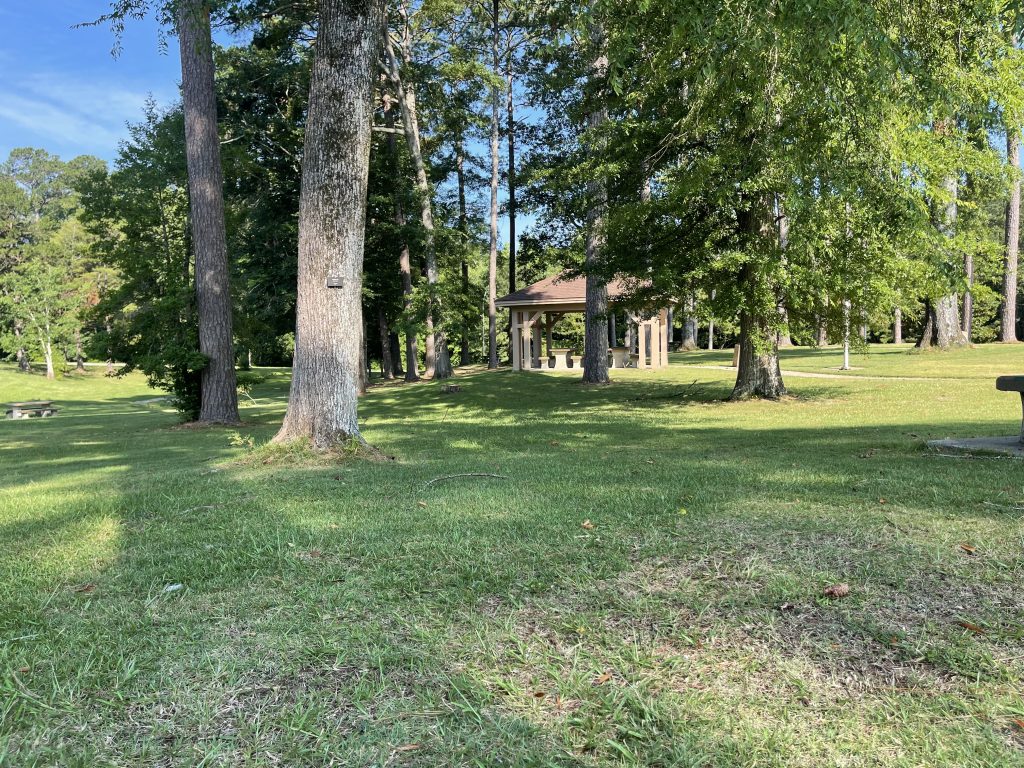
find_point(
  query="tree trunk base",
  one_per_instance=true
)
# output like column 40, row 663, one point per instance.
column 759, row 373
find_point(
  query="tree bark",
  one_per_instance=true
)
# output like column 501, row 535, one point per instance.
column 711, row 326
column 438, row 363
column 464, row 323
column 387, row 368
column 22, row 356
column 690, row 324
column 412, row 352
column 79, row 357
column 942, row 324
column 219, row 387
column 759, row 373
column 785, row 339
column 323, row 405
column 967, row 316
column 1008, row 308
column 595, row 344
column 897, row 326
column 945, row 310
column 48, row 357
column 492, row 263
column 364, row 366
column 511, row 138
column 846, row 335
column 396, row 355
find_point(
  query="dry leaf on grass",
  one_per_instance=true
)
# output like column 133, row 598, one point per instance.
column 837, row 590
column 970, row 550
column 1018, row 724
column 83, row 588
column 971, row 627
column 539, row 694
column 422, row 504
column 602, row 679
column 588, row 525
column 407, row 748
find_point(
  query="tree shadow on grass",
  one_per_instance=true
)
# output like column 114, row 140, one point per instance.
column 289, row 573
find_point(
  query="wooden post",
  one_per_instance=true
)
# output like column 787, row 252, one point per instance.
column 517, row 341
column 666, row 330
column 641, row 336
column 535, row 334
column 736, row 356
column 548, row 323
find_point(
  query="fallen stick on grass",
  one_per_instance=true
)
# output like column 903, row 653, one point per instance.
column 465, row 474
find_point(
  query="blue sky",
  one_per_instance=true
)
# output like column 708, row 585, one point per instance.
column 61, row 88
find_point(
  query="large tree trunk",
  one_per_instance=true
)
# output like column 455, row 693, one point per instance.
column 942, row 324
column 944, row 311
column 492, row 263
column 219, row 388
column 322, row 406
column 1008, row 308
column 759, row 373
column 48, row 357
column 595, row 343
column 396, row 355
column 690, row 324
column 438, row 363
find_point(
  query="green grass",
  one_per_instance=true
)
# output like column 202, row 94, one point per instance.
column 353, row 615
column 981, row 362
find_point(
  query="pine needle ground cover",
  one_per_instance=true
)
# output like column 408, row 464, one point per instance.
column 642, row 584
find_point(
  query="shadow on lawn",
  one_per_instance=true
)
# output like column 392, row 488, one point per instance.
column 362, row 566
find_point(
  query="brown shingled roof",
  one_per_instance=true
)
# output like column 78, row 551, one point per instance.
column 557, row 290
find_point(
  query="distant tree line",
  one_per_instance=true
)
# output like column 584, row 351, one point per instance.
column 777, row 172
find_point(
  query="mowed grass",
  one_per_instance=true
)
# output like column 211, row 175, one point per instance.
column 643, row 588
column 895, row 361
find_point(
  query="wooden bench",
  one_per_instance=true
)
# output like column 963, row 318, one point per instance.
column 1013, row 384
column 40, row 408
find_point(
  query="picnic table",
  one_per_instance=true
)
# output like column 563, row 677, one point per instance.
column 1013, row 384
column 560, row 359
column 26, row 410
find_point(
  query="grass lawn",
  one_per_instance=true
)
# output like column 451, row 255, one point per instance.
column 981, row 362
column 643, row 589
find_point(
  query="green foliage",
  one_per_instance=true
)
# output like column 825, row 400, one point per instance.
column 47, row 274
column 139, row 215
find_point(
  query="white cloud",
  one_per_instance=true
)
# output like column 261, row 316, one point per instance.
column 71, row 115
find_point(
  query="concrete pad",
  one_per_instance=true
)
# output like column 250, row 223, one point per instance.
column 1004, row 446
